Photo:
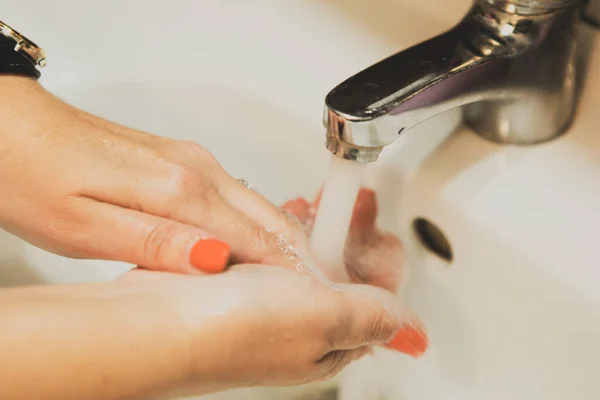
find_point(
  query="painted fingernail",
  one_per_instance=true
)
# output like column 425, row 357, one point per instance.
column 410, row 340
column 299, row 208
column 210, row 255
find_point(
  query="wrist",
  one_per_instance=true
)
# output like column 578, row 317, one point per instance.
column 122, row 333
column 19, row 95
column 13, row 86
column 184, row 342
column 24, row 107
column 210, row 339
column 171, row 365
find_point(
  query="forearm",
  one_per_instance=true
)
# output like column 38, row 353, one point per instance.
column 101, row 341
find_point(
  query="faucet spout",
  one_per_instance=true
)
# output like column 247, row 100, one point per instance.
column 510, row 67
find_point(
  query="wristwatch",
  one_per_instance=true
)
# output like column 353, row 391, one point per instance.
column 19, row 55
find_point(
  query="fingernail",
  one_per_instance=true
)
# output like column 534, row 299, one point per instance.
column 210, row 255
column 299, row 208
column 410, row 340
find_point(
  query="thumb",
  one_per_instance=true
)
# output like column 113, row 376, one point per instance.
column 373, row 317
column 155, row 243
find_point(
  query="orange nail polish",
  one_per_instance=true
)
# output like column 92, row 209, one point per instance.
column 210, row 255
column 410, row 340
column 300, row 208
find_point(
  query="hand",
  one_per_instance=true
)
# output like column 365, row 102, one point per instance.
column 80, row 186
column 155, row 334
column 262, row 325
column 371, row 256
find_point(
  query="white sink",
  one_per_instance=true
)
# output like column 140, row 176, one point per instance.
column 515, row 315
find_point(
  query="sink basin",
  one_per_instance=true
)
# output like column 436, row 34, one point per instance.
column 515, row 314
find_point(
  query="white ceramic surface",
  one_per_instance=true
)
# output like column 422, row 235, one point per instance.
column 516, row 315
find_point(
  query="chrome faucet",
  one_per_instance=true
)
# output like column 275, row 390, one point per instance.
column 509, row 63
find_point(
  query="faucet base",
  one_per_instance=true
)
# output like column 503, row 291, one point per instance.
column 511, row 122
column 542, row 81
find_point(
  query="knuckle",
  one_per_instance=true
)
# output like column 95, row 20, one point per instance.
column 177, row 181
column 179, row 177
column 261, row 246
column 377, row 326
column 197, row 152
column 381, row 327
column 264, row 239
column 296, row 226
column 334, row 363
column 372, row 324
column 340, row 330
column 70, row 232
column 181, row 183
column 277, row 248
column 210, row 195
column 158, row 242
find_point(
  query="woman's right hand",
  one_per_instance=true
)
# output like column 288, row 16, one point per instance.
column 81, row 186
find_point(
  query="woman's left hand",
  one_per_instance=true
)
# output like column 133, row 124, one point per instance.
column 371, row 256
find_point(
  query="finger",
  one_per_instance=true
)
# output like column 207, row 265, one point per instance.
column 257, row 207
column 114, row 233
column 334, row 362
column 299, row 208
column 250, row 241
column 365, row 211
column 203, row 207
column 364, row 214
column 372, row 257
column 378, row 261
column 192, row 196
column 256, row 230
column 288, row 239
column 370, row 316
column 303, row 211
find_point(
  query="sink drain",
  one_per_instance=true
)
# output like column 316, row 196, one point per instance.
column 433, row 238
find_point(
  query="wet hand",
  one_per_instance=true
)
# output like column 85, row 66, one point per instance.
column 371, row 256
column 83, row 187
column 262, row 325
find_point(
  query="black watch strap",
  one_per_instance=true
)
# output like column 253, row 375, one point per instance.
column 13, row 62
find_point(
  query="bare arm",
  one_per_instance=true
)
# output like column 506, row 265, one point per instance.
column 156, row 334
column 106, row 341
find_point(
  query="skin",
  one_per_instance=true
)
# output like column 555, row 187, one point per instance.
column 88, row 178
column 371, row 256
column 84, row 187
column 161, row 334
